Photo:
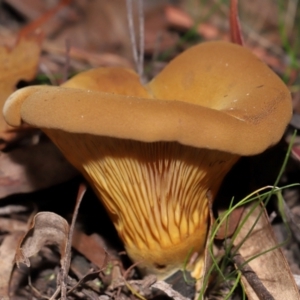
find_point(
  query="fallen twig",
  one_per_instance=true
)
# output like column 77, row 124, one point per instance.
column 67, row 258
column 167, row 289
column 254, row 281
column 150, row 284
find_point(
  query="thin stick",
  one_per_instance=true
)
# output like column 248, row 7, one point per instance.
column 141, row 37
column 132, row 33
column 56, row 293
column 67, row 62
column 252, row 278
column 67, row 259
column 137, row 50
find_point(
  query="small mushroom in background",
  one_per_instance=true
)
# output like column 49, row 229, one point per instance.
column 153, row 152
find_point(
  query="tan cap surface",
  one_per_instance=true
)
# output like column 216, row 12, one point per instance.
column 222, row 97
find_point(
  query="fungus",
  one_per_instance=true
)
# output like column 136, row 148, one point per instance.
column 153, row 152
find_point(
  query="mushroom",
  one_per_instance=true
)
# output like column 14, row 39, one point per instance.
column 153, row 152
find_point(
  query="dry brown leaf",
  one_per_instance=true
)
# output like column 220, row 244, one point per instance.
column 101, row 26
column 20, row 63
column 12, row 225
column 271, row 267
column 26, row 170
column 7, row 253
column 97, row 31
column 228, row 228
column 43, row 15
column 179, row 19
column 150, row 283
column 47, row 228
column 93, row 58
column 91, row 247
column 157, row 36
column 167, row 289
column 31, row 9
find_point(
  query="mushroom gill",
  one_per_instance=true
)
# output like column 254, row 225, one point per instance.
column 155, row 193
column 152, row 153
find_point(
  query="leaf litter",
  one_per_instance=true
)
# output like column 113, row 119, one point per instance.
column 98, row 50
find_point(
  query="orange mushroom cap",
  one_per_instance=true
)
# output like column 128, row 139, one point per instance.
column 153, row 152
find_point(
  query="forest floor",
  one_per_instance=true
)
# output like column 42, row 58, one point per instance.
column 34, row 176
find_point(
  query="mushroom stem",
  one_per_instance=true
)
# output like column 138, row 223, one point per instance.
column 155, row 193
